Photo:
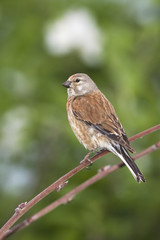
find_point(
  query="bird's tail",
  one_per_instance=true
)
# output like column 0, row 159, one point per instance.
column 129, row 162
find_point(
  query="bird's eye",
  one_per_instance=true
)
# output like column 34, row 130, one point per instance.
column 77, row 80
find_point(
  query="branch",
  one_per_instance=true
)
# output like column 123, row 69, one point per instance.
column 24, row 207
column 106, row 170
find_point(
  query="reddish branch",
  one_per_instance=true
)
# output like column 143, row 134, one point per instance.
column 69, row 196
column 24, row 207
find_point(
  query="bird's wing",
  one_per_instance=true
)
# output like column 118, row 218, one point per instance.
column 95, row 110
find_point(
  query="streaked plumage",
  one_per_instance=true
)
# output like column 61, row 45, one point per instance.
column 94, row 121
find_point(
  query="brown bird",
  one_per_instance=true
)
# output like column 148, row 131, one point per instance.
column 94, row 121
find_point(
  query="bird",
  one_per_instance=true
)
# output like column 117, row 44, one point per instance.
column 95, row 123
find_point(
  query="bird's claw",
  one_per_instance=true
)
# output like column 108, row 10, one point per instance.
column 86, row 159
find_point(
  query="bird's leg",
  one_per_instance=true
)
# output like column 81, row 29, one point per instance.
column 87, row 159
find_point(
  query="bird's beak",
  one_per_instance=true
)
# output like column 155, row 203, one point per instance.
column 67, row 84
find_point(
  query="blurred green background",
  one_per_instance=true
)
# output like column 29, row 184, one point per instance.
column 42, row 43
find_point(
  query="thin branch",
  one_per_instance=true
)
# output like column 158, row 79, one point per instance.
column 23, row 208
column 144, row 133
column 69, row 196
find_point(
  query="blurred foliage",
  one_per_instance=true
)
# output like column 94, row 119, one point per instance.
column 37, row 145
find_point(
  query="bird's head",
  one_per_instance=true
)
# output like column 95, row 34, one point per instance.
column 79, row 84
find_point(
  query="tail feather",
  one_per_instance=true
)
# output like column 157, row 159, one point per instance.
column 129, row 162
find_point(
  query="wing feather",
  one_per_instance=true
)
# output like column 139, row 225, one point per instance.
column 95, row 110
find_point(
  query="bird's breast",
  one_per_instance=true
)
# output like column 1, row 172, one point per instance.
column 86, row 134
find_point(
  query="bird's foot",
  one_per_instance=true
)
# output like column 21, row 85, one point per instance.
column 87, row 159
